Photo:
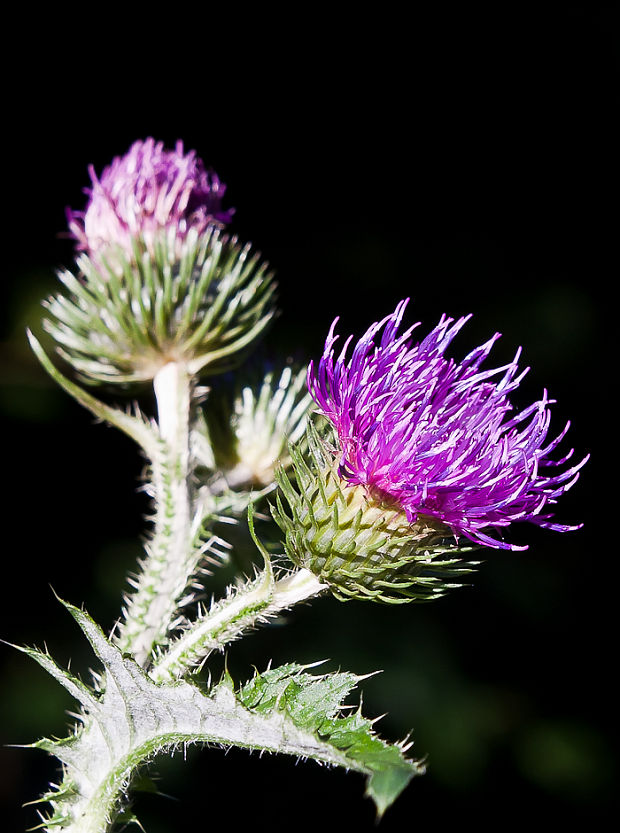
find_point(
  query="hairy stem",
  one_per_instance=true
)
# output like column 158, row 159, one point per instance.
column 171, row 556
column 227, row 620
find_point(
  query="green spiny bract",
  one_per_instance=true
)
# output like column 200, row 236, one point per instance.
column 201, row 301
column 358, row 542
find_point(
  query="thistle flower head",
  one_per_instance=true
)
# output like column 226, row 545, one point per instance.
column 437, row 436
column 145, row 192
column 158, row 280
column 425, row 454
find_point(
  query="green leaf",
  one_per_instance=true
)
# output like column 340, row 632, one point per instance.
column 131, row 718
column 314, row 703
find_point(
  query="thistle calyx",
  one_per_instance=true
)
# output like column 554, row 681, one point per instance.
column 359, row 541
column 204, row 308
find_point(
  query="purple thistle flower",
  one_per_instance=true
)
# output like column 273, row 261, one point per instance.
column 436, row 436
column 148, row 190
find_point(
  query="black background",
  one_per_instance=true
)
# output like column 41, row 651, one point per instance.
column 462, row 159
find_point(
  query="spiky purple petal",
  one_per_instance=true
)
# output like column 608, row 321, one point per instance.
column 434, row 434
column 147, row 190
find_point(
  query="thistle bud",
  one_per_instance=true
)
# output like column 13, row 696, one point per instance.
column 249, row 431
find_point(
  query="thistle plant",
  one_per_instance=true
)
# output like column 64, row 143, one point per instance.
column 384, row 471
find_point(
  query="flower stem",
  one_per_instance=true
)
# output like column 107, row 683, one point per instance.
column 227, row 620
column 171, row 556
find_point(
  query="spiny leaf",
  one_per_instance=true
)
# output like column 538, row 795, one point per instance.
column 133, row 718
column 314, row 703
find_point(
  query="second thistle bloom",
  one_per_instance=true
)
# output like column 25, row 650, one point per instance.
column 158, row 280
column 433, row 441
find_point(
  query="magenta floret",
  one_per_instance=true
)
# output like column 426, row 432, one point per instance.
column 147, row 190
column 436, row 435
